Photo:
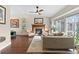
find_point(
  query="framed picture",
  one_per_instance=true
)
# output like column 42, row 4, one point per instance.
column 38, row 20
column 2, row 15
column 14, row 23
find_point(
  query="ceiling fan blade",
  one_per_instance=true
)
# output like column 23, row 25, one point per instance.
column 41, row 10
column 32, row 12
column 39, row 13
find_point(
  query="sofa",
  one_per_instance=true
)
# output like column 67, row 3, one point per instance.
column 58, row 42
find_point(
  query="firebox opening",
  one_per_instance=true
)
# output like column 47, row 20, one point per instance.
column 38, row 31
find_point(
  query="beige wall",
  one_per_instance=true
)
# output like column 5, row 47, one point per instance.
column 5, row 29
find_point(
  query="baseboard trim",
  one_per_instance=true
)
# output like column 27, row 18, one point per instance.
column 5, row 46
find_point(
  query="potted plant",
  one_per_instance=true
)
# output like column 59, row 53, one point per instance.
column 77, row 39
column 77, row 36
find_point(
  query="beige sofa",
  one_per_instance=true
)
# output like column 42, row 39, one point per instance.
column 58, row 42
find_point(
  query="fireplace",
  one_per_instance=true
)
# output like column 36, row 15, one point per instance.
column 38, row 28
column 38, row 31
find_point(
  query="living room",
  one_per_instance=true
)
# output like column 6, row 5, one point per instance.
column 39, row 29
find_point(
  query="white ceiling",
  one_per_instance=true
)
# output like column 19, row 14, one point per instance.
column 49, row 10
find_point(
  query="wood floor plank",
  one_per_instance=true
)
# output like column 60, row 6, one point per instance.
column 19, row 45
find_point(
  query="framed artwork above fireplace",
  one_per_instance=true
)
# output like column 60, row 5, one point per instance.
column 38, row 20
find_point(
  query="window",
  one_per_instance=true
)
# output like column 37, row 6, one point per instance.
column 59, row 25
column 68, row 25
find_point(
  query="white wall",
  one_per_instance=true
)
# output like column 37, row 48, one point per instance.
column 5, row 29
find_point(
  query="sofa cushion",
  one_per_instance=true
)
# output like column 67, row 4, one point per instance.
column 56, row 34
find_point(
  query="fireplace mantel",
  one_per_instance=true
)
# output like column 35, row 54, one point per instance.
column 37, row 26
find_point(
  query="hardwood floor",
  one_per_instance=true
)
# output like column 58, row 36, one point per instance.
column 19, row 45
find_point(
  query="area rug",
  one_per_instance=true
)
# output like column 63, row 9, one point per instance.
column 36, row 46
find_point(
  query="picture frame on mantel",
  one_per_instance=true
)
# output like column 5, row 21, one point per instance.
column 38, row 20
column 2, row 15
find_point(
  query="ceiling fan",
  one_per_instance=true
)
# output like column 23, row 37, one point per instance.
column 38, row 11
